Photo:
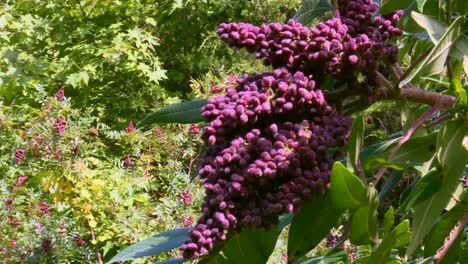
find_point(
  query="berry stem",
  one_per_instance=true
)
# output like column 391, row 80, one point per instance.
column 336, row 11
column 451, row 239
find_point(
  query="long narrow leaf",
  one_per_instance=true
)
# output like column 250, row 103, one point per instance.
column 182, row 113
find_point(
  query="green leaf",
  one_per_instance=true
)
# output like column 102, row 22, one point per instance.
column 182, row 113
column 364, row 220
column 312, row 9
column 436, row 237
column 395, row 239
column 415, row 151
column 284, row 220
column 389, row 6
column 389, row 219
column 347, row 191
column 310, row 225
column 251, row 246
column 423, row 190
column 435, row 61
column 455, row 83
column 355, row 143
column 429, row 260
column 154, row 245
column 331, row 257
column 172, row 261
column 452, row 154
column 434, row 28
column 394, row 179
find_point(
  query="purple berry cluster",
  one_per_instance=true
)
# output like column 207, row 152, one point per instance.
column 347, row 48
column 269, row 149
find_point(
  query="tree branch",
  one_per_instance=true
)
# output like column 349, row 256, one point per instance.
column 427, row 97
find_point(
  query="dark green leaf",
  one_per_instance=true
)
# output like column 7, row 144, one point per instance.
column 310, row 225
column 452, row 153
column 364, row 220
column 355, row 143
column 183, row 113
column 154, row 245
column 347, row 190
column 424, row 189
column 394, row 179
column 435, row 61
column 429, row 260
column 415, row 151
column 312, row 9
column 284, row 220
column 389, row 6
column 461, row 7
column 436, row 238
column 251, row 246
column 395, row 239
column 331, row 257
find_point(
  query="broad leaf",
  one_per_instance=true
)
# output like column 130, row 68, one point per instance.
column 364, row 221
column 347, row 190
column 395, row 239
column 183, row 113
column 253, row 246
column 331, row 257
column 435, row 61
column 435, row 239
column 452, row 154
column 310, row 225
column 434, row 28
column 154, row 245
column 415, row 151
column 355, row 143
column 392, row 5
column 311, row 9
column 424, row 189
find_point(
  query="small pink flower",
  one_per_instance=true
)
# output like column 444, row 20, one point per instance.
column 79, row 241
column 94, row 131
column 465, row 181
column 232, row 79
column 44, row 207
column 19, row 153
column 20, row 181
column 194, row 129
column 130, row 128
column 13, row 221
column 216, row 89
column 284, row 257
column 60, row 125
column 60, row 94
column 76, row 149
column 12, row 243
column 187, row 221
column 9, row 204
column 39, row 228
column 128, row 161
column 186, row 196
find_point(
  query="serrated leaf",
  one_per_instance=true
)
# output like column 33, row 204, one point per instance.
column 452, row 154
column 355, row 143
column 423, row 190
column 435, row 61
column 389, row 6
column 331, row 257
column 395, row 239
column 310, row 225
column 312, row 9
column 154, row 245
column 347, row 191
column 251, row 245
column 182, row 113
column 364, row 221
